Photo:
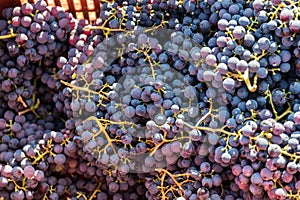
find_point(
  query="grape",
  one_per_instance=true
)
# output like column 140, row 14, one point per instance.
column 207, row 182
column 86, row 135
column 142, row 38
column 42, row 37
column 285, row 67
column 294, row 26
column 3, row 182
column 39, row 175
column 262, row 143
column 60, row 159
column 243, row 93
column 29, row 171
column 264, row 43
column 141, row 148
column 210, row 59
column 17, row 195
column 198, row 37
column 155, row 96
column 236, row 169
column 274, row 60
column 241, row 65
column 167, row 104
column 244, row 21
column 262, row 72
column 140, row 110
column 281, row 193
column 286, row 15
column 176, row 147
column 205, row 51
column 113, row 187
column 26, row 21
column 205, row 167
column 222, row 24
column 136, row 93
column 90, row 106
column 231, row 123
column 232, row 62
column 293, row 88
column 226, row 157
column 228, row 84
column 98, row 62
column 222, row 68
column 239, row 32
column 247, row 171
column 129, row 111
column 190, row 92
column 278, row 97
column 203, row 193
column 179, row 64
column 35, row 27
column 291, row 168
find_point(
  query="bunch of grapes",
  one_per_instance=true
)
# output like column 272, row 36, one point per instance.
column 155, row 99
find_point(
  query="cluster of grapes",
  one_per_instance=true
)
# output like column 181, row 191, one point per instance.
column 172, row 100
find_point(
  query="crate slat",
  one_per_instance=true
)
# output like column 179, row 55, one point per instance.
column 88, row 9
column 8, row 3
column 51, row 2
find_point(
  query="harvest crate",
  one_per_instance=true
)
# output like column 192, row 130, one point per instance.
column 81, row 9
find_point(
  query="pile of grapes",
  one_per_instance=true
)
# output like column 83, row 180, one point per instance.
column 156, row 99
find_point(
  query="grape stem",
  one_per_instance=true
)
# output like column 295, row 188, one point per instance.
column 272, row 15
column 253, row 22
column 95, row 191
column 31, row 109
column 165, row 172
column 10, row 35
column 277, row 117
column 48, row 150
column 85, row 89
column 245, row 77
column 103, row 130
column 202, row 128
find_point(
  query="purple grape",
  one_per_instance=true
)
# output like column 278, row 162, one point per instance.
column 42, row 37
column 29, row 171
column 35, row 27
